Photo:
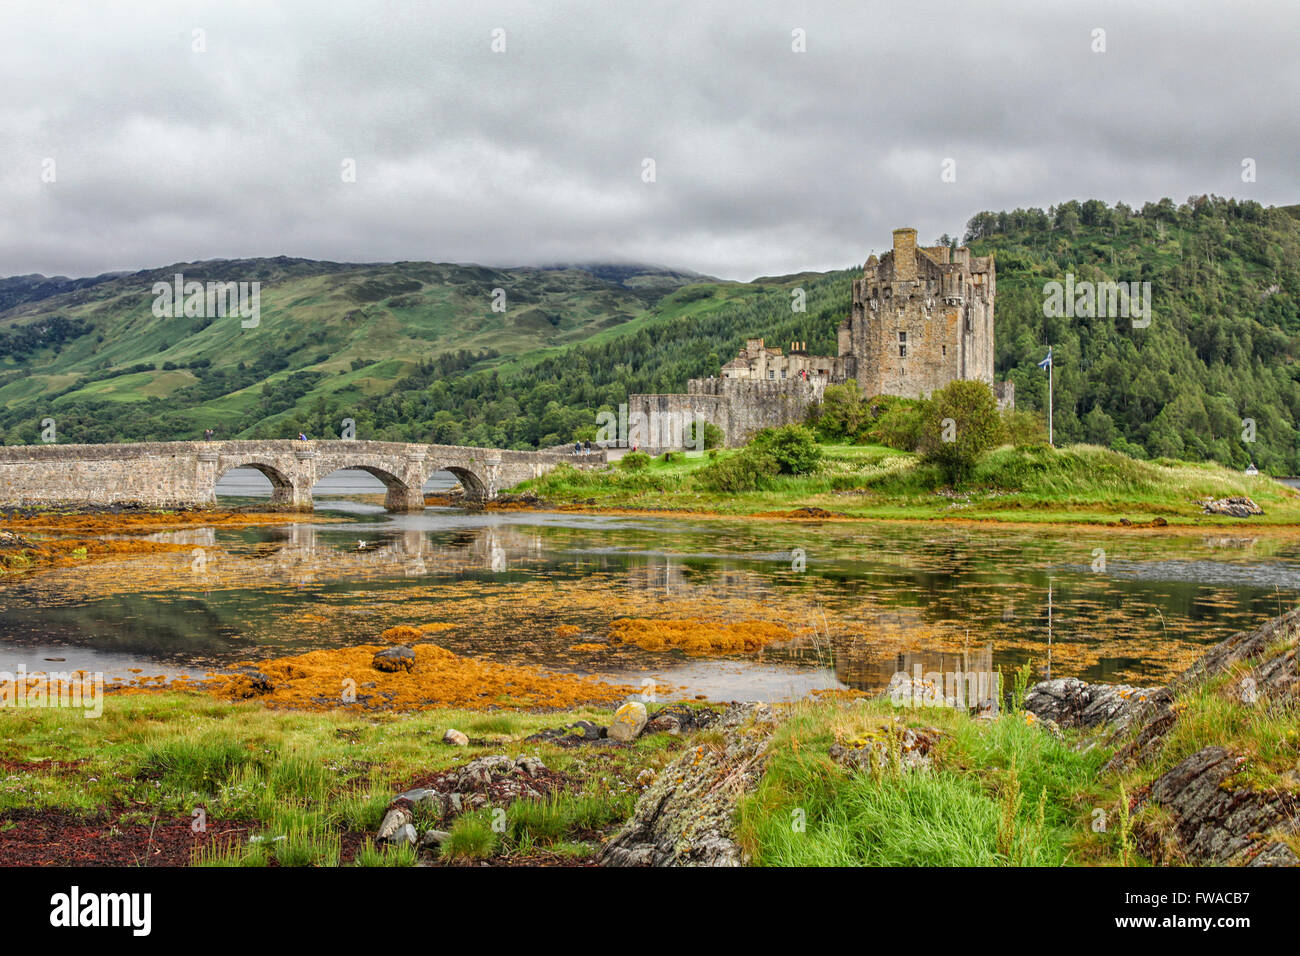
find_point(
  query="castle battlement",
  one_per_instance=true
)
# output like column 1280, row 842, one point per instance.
column 919, row 318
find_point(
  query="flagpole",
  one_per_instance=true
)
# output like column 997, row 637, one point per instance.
column 1051, row 368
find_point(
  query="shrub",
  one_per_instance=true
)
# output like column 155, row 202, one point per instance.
column 634, row 461
column 897, row 424
column 794, row 448
column 747, row 470
column 960, row 423
column 841, row 414
column 1024, row 428
column 713, row 436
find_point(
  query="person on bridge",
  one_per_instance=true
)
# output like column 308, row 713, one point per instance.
column 302, row 436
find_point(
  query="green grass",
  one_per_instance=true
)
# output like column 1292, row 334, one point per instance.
column 1002, row 793
column 1079, row 483
column 200, row 765
column 300, row 779
column 472, row 836
column 395, row 855
column 549, row 821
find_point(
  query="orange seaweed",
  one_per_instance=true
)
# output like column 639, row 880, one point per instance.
column 344, row 678
column 697, row 636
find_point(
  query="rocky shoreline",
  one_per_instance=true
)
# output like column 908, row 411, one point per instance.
column 1214, row 818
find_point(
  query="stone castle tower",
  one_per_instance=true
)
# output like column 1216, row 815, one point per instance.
column 919, row 319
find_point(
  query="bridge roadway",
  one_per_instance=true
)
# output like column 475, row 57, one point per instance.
column 184, row 474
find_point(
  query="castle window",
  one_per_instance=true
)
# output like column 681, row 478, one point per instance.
column 783, row 373
column 771, row 373
column 902, row 345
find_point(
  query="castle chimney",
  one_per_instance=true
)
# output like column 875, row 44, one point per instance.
column 904, row 255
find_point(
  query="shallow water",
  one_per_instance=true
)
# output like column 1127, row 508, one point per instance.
column 871, row 598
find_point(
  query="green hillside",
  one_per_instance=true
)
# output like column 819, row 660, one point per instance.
column 413, row 350
column 92, row 355
column 1221, row 345
column 1222, row 342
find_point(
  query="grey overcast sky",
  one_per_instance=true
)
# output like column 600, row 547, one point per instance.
column 767, row 160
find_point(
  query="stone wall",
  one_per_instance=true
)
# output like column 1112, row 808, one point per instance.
column 662, row 419
column 740, row 407
column 184, row 474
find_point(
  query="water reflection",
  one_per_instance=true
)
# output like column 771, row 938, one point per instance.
column 868, row 597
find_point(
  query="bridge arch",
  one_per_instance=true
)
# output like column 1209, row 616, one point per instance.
column 476, row 489
column 281, row 484
column 398, row 492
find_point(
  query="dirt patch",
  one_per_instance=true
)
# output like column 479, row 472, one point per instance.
column 815, row 514
column 54, row 838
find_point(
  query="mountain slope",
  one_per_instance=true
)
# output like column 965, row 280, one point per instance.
column 75, row 349
column 413, row 350
column 1219, row 353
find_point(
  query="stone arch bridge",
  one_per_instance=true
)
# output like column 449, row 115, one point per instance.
column 184, row 474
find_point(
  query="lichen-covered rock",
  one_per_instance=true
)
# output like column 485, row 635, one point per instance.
column 890, row 744
column 391, row 829
column 1235, row 507
column 1277, row 672
column 685, row 817
column 455, row 738
column 629, row 720
column 1274, row 684
column 1216, row 820
column 404, row 835
column 1070, row 702
column 1221, row 824
column 570, row 735
column 667, row 724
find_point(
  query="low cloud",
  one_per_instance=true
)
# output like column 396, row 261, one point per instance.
column 766, row 160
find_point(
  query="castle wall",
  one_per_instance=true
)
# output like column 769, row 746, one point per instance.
column 659, row 422
column 919, row 319
column 752, row 406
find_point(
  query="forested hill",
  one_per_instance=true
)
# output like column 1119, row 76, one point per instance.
column 1222, row 341
column 409, row 350
column 1220, row 347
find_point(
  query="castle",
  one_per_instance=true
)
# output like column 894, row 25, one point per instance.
column 921, row 317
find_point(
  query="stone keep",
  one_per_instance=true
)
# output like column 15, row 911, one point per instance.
column 919, row 319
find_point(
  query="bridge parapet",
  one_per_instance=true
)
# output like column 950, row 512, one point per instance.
column 184, row 474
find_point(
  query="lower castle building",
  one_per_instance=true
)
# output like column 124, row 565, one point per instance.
column 920, row 318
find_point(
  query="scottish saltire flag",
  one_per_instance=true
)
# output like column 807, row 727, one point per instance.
column 1047, row 361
